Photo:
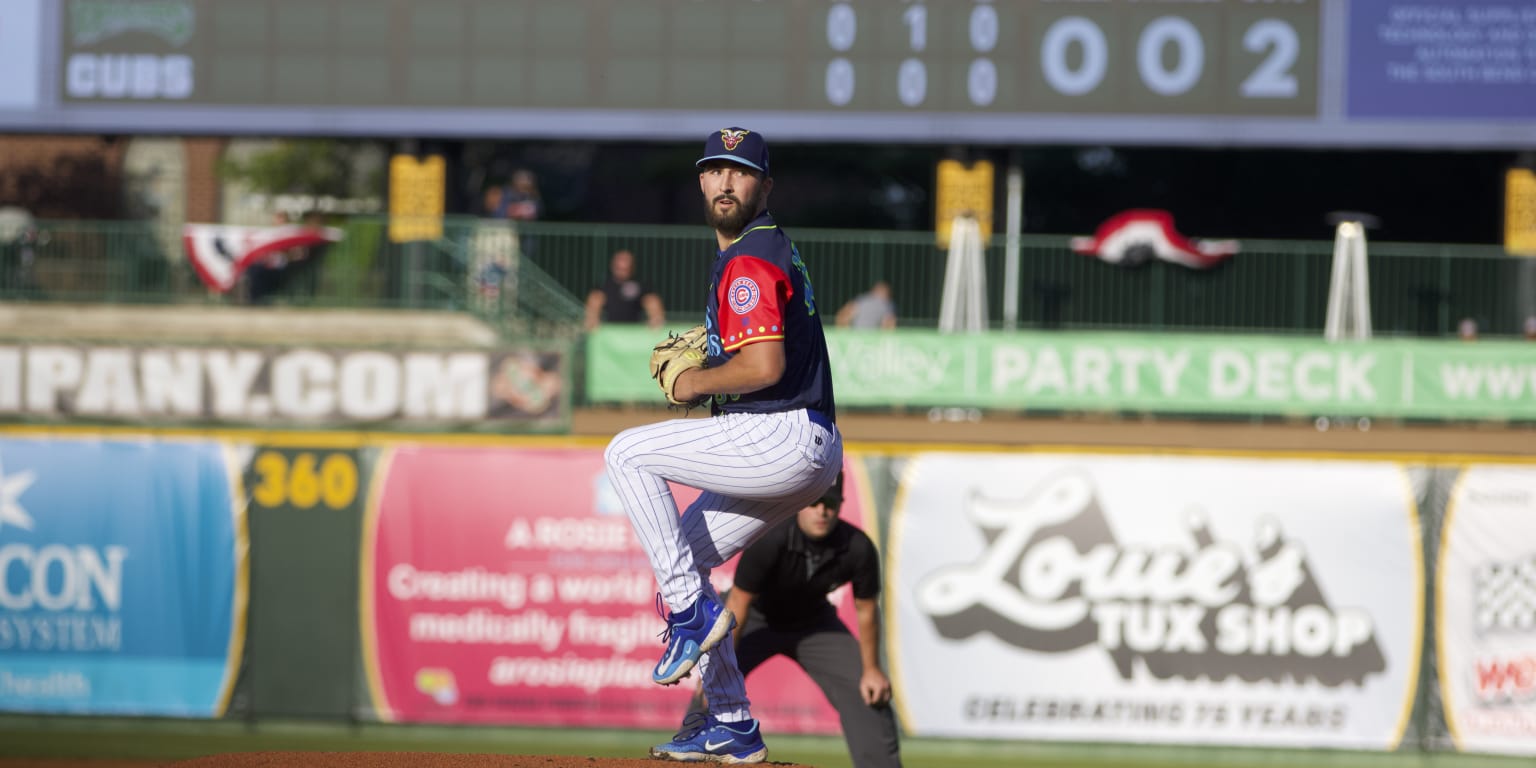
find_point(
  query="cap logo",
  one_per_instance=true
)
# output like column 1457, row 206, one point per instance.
column 731, row 138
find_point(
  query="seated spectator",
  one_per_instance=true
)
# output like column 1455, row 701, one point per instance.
column 622, row 298
column 870, row 310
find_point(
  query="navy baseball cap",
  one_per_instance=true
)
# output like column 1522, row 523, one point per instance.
column 737, row 145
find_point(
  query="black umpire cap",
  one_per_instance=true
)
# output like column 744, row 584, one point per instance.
column 834, row 495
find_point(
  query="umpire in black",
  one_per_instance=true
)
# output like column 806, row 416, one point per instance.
column 780, row 602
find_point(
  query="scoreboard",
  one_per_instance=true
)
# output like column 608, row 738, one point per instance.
column 1273, row 72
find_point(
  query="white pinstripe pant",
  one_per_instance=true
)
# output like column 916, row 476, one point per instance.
column 755, row 470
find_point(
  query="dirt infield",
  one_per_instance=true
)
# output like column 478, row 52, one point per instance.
column 361, row 760
column 53, row 762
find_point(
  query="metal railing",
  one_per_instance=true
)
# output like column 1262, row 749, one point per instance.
column 534, row 278
column 1271, row 286
column 473, row 267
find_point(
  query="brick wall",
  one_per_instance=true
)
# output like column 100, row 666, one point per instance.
column 204, row 202
column 63, row 177
column 81, row 177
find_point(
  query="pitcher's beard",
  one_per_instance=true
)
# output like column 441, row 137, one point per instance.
column 733, row 221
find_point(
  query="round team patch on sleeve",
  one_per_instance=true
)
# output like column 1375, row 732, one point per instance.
column 744, row 295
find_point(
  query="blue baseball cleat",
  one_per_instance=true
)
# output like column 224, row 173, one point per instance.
column 705, row 739
column 689, row 634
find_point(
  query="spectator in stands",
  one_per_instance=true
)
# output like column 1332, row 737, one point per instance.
column 872, row 309
column 19, row 239
column 1466, row 330
column 522, row 201
column 622, row 298
column 1530, row 327
column 491, row 205
column 265, row 278
column 518, row 200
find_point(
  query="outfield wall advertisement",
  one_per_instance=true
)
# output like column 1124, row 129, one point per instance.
column 122, row 577
column 1155, row 599
column 1114, row 596
column 501, row 389
column 1486, row 611
column 505, row 585
column 1149, row 373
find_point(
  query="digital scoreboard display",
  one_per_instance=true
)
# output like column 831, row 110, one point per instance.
column 996, row 71
column 976, row 56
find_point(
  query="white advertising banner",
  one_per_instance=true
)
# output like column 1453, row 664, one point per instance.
column 1156, row 599
column 1485, row 613
column 297, row 386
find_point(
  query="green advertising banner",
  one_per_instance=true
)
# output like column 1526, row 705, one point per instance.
column 1146, row 373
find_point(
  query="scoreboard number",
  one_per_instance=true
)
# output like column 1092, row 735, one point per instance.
column 1193, row 57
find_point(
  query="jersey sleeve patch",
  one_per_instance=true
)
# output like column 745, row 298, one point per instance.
column 754, row 293
column 744, row 295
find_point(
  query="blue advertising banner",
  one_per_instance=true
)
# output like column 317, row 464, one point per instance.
column 122, row 577
column 1442, row 59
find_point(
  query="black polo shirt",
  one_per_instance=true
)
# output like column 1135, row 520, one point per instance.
column 791, row 575
column 624, row 301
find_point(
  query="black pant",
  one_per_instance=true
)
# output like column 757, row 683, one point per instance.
column 829, row 654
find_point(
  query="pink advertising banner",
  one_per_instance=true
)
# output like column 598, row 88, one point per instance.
column 505, row 585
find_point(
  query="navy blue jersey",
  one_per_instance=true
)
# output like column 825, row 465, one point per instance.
column 760, row 291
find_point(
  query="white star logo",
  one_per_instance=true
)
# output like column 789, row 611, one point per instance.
column 11, row 489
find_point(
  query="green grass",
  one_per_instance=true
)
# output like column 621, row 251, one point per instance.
column 26, row 736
